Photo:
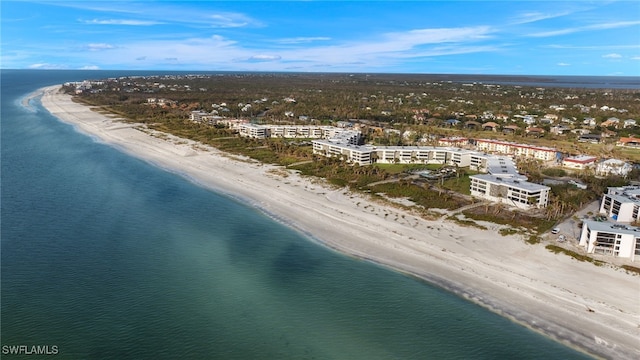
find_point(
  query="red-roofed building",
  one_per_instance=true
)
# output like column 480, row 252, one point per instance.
column 453, row 141
column 579, row 162
column 629, row 142
column 523, row 150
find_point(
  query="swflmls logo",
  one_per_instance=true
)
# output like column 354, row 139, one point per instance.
column 29, row 350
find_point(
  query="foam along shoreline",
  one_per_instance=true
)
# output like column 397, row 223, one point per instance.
column 593, row 309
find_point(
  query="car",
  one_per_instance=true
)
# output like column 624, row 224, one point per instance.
column 555, row 230
column 561, row 238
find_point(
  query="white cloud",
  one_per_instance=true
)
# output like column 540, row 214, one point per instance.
column 226, row 20
column 99, row 47
column 47, row 66
column 535, row 16
column 128, row 22
column 563, row 64
column 592, row 47
column 435, row 36
column 635, row 58
column 612, row 56
column 603, row 26
column 377, row 52
column 90, row 67
column 265, row 58
column 302, row 40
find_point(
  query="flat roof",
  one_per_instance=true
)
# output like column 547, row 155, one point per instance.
column 581, row 159
column 515, row 182
column 501, row 165
column 501, row 142
column 605, row 226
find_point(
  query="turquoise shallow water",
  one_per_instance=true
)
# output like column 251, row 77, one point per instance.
column 108, row 257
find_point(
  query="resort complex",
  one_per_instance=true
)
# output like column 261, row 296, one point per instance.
column 435, row 229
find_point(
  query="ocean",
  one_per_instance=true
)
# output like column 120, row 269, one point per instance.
column 104, row 256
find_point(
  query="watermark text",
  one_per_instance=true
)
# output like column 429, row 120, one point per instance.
column 30, row 350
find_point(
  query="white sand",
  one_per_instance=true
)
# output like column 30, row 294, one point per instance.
column 595, row 309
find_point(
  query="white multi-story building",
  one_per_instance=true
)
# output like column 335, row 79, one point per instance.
column 422, row 155
column 513, row 191
column 514, row 149
column 204, row 117
column 503, row 183
column 600, row 237
column 253, row 131
column 355, row 154
column 453, row 141
column 299, row 131
column 621, row 204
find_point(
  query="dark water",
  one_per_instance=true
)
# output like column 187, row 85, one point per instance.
column 108, row 257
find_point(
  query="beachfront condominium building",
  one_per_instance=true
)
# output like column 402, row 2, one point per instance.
column 502, row 183
column 396, row 154
column 257, row 131
column 517, row 150
column 605, row 238
column 253, row 131
column 621, row 204
column 513, row 191
column 422, row 155
column 204, row 117
column 361, row 155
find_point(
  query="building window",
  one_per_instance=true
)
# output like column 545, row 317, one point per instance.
column 604, row 243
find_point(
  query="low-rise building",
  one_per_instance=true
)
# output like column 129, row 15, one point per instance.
column 361, row 155
column 613, row 167
column 453, row 141
column 598, row 237
column 629, row 142
column 254, row 131
column 514, row 149
column 579, row 162
column 514, row 191
column 299, row 131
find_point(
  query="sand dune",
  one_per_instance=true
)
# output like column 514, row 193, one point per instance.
column 595, row 309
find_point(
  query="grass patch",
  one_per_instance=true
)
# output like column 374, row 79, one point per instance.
column 421, row 196
column 400, row 168
column 533, row 239
column 557, row 249
column 460, row 184
column 631, row 269
column 508, row 231
column 466, row 222
column 507, row 216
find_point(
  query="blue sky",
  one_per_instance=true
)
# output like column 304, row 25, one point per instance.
column 464, row 37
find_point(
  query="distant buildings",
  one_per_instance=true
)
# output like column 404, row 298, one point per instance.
column 514, row 149
column 629, row 142
column 352, row 137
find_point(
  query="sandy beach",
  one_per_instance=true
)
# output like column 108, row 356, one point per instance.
column 592, row 308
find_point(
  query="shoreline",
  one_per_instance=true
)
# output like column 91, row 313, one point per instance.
column 593, row 309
